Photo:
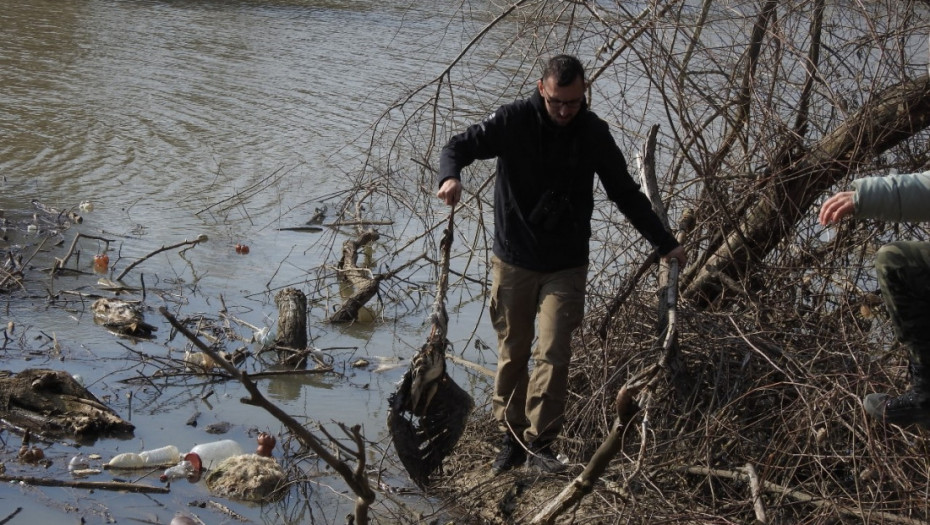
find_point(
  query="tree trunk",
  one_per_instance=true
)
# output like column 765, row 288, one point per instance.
column 292, row 327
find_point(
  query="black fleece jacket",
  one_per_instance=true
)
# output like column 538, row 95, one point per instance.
column 544, row 192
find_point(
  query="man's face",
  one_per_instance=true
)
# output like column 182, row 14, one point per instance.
column 562, row 102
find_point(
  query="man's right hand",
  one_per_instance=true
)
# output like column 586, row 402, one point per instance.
column 450, row 191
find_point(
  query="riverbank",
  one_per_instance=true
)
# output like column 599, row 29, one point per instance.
column 748, row 427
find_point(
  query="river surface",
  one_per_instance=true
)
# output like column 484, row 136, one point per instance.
column 231, row 119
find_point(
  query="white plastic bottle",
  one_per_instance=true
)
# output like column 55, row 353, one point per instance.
column 184, row 469
column 159, row 457
column 211, row 454
column 126, row 460
column 78, row 462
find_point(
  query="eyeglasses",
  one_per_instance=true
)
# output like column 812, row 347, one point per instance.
column 557, row 104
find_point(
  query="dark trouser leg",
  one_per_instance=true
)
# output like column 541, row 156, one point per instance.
column 904, row 275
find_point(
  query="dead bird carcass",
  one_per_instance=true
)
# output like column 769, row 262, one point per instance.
column 122, row 317
column 429, row 410
column 53, row 404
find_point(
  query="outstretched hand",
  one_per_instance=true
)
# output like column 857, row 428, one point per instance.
column 837, row 208
column 450, row 191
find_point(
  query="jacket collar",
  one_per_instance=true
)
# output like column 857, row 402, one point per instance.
column 539, row 104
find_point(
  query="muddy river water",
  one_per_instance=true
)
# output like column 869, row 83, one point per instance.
column 231, row 119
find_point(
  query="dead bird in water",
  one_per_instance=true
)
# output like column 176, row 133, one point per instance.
column 122, row 317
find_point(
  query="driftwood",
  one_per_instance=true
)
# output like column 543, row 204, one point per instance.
column 91, row 485
column 52, row 404
column 309, row 229
column 363, row 282
column 292, row 327
column 12, row 515
column 281, row 373
column 584, row 483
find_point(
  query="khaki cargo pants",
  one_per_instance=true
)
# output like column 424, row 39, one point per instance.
column 903, row 270
column 531, row 403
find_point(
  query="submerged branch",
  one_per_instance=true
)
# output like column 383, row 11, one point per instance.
column 200, row 238
column 90, row 485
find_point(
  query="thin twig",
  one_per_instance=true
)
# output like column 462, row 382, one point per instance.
column 757, row 505
column 60, row 263
column 198, row 240
column 7, row 519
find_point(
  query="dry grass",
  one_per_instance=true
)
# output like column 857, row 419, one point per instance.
column 763, row 384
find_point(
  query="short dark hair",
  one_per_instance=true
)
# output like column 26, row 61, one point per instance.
column 565, row 69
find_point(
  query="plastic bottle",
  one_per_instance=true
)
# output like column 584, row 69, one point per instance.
column 167, row 455
column 126, row 460
column 183, row 469
column 211, row 454
column 78, row 462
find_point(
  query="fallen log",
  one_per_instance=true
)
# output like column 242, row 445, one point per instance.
column 363, row 282
column 52, row 403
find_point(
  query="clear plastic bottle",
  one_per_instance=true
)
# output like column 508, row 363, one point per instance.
column 159, row 457
column 211, row 454
column 126, row 460
column 78, row 462
column 184, row 469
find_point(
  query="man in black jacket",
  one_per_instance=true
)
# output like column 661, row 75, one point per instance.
column 548, row 148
